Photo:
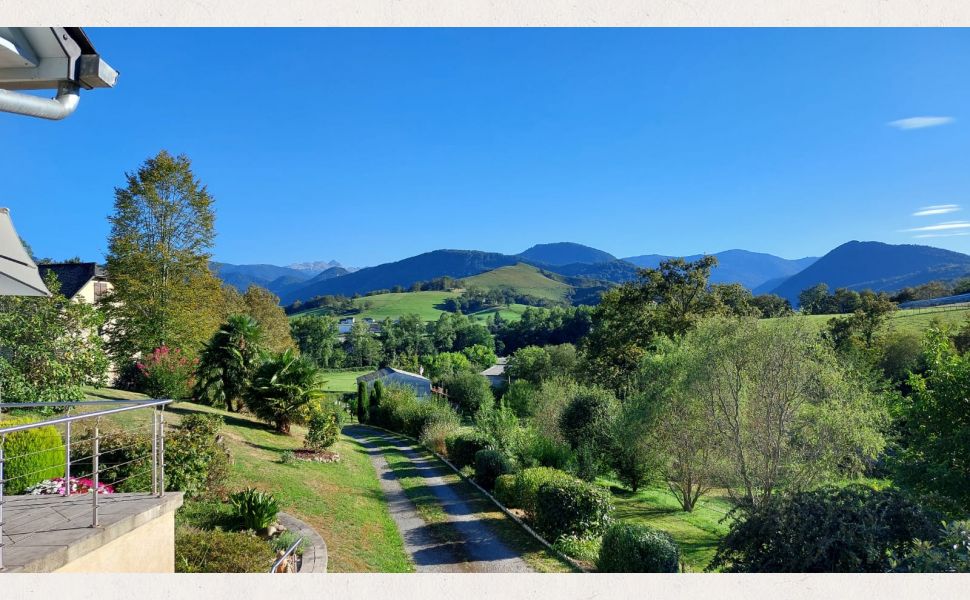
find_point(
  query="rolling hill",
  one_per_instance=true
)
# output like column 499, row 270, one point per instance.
column 424, row 267
column 750, row 269
column 565, row 253
column 877, row 266
column 522, row 279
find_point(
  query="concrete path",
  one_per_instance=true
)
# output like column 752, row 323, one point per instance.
column 472, row 547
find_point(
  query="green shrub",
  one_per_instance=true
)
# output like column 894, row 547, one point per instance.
column 207, row 515
column 528, row 482
column 401, row 411
column 489, row 464
column 546, row 452
column 463, row 446
column 322, row 431
column 201, row 551
column 196, row 460
column 31, row 456
column 167, row 373
column 851, row 529
column 949, row 554
column 438, row 429
column 255, row 510
column 287, row 457
column 587, row 549
column 469, row 391
column 505, row 490
column 633, row 548
column 572, row 508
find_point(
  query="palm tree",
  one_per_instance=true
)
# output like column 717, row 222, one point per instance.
column 227, row 362
column 282, row 386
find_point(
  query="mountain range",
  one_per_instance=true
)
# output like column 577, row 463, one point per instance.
column 855, row 265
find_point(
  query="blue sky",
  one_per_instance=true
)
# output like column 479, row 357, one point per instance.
column 373, row 145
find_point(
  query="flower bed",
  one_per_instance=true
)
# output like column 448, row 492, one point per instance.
column 323, row 456
column 56, row 487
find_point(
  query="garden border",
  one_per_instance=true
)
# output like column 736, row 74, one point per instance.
column 570, row 561
column 316, row 550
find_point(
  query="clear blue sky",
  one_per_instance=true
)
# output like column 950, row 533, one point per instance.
column 373, row 145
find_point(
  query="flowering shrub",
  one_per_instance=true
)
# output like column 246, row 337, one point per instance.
column 56, row 487
column 168, row 373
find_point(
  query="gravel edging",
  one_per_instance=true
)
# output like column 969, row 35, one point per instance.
column 492, row 498
column 315, row 554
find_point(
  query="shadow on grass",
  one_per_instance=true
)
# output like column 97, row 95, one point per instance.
column 231, row 420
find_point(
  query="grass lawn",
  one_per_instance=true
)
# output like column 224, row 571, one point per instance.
column 342, row 501
column 696, row 532
column 430, row 510
column 521, row 278
column 343, row 381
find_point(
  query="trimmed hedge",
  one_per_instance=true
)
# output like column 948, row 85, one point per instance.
column 489, row 464
column 31, row 456
column 572, row 507
column 528, row 482
column 632, row 548
column 463, row 447
column 505, row 491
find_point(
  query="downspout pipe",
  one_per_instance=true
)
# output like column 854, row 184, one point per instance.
column 55, row 109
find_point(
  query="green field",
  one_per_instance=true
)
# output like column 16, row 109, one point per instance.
column 342, row 381
column 697, row 533
column 426, row 305
column 512, row 312
column 522, row 279
column 914, row 320
column 342, row 501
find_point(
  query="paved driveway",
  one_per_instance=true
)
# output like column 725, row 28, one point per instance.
column 471, row 546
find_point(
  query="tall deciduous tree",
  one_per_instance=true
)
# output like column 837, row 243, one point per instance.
column 264, row 306
column 162, row 232
column 317, row 338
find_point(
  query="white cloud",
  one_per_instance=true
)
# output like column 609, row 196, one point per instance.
column 936, row 209
column 941, row 235
column 920, row 122
column 948, row 226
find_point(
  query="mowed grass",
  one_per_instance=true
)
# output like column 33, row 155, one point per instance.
column 913, row 321
column 342, row 501
column 342, row 381
column 521, row 278
column 416, row 489
column 697, row 533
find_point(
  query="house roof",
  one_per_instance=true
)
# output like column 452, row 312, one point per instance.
column 497, row 369
column 381, row 373
column 73, row 276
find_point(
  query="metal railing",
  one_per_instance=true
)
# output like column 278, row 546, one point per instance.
column 86, row 450
column 289, row 552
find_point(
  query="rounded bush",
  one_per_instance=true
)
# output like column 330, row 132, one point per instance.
column 572, row 507
column 530, row 480
column 632, row 548
column 322, row 431
column 489, row 464
column 505, row 490
column 463, row 447
column 31, row 456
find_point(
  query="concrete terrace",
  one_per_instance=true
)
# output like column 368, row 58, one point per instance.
column 51, row 533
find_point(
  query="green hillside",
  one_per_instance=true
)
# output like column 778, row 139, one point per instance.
column 427, row 305
column 512, row 312
column 523, row 279
column 914, row 320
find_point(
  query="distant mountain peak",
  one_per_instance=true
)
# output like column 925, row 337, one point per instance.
column 318, row 266
column 566, row 253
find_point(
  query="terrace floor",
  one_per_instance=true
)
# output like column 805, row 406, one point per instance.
column 46, row 533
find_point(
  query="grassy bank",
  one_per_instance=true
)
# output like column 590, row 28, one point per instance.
column 342, row 501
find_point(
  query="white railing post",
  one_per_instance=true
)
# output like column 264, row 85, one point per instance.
column 67, row 459
column 95, row 460
column 155, row 451
column 161, row 453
